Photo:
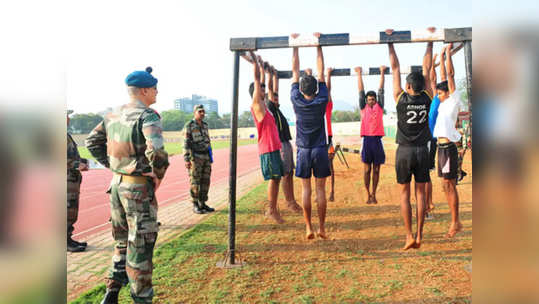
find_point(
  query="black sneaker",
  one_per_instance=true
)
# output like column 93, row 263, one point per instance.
column 74, row 247
column 82, row 244
column 206, row 207
column 197, row 209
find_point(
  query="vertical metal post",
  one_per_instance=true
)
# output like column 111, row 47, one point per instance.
column 468, row 63
column 233, row 161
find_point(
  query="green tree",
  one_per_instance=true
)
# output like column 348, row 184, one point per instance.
column 245, row 120
column 174, row 120
column 226, row 120
column 84, row 123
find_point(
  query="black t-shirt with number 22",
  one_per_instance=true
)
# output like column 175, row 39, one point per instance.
column 412, row 119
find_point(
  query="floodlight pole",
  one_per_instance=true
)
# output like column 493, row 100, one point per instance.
column 233, row 161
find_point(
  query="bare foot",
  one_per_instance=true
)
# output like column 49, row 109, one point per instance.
column 309, row 234
column 410, row 242
column 294, row 207
column 453, row 230
column 331, row 197
column 275, row 216
column 417, row 244
column 369, row 201
column 322, row 234
column 373, row 200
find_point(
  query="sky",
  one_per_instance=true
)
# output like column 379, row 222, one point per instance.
column 187, row 43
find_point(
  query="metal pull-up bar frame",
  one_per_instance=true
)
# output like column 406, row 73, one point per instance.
column 239, row 45
column 351, row 72
column 307, row 40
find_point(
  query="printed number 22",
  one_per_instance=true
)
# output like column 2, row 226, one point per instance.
column 413, row 117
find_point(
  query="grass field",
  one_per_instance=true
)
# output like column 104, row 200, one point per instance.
column 176, row 148
column 362, row 262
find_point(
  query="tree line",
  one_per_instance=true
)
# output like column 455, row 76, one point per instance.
column 174, row 120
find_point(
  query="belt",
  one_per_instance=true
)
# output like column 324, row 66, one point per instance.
column 446, row 145
column 133, row 179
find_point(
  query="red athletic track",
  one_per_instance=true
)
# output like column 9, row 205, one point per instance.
column 94, row 208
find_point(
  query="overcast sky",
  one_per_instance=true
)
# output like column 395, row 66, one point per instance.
column 187, row 43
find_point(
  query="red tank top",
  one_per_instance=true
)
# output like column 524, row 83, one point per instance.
column 268, row 136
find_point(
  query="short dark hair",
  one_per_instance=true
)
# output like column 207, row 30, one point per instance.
column 251, row 89
column 417, row 81
column 371, row 93
column 308, row 85
column 443, row 86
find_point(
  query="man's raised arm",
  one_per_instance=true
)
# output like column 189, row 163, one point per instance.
column 275, row 81
column 381, row 87
column 262, row 65
column 360, row 87
column 443, row 73
column 433, row 76
column 328, row 79
column 258, row 106
column 427, row 63
column 270, row 83
column 295, row 61
column 319, row 61
column 450, row 69
column 395, row 69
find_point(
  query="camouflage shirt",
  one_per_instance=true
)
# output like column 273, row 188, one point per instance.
column 73, row 157
column 196, row 141
column 129, row 141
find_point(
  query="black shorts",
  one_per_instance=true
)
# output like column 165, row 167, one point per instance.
column 412, row 160
column 448, row 160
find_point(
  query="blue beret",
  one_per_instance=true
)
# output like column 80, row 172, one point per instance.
column 141, row 79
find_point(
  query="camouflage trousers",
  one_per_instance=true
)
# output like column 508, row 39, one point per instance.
column 73, row 191
column 134, row 229
column 200, row 174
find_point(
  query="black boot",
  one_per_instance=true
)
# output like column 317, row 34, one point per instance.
column 197, row 209
column 73, row 247
column 82, row 244
column 206, row 207
column 111, row 297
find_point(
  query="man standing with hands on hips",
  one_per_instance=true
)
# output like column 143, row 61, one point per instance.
column 198, row 159
column 129, row 142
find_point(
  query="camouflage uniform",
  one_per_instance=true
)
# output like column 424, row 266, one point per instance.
column 74, row 179
column 129, row 141
column 196, row 147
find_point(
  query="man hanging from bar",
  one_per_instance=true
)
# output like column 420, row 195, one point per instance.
column 309, row 98
column 269, row 144
column 331, row 149
column 287, row 154
column 413, row 134
column 447, row 136
column 372, row 131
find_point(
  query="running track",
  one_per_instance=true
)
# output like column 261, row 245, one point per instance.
column 94, row 208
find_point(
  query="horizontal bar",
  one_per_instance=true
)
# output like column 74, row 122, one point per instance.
column 309, row 40
column 350, row 72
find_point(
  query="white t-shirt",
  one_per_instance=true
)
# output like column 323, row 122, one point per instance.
column 447, row 118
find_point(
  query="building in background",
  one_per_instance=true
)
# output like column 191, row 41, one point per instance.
column 186, row 104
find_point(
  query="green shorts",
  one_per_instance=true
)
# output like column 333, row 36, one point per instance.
column 271, row 165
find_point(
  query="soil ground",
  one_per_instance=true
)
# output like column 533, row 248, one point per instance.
column 361, row 262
